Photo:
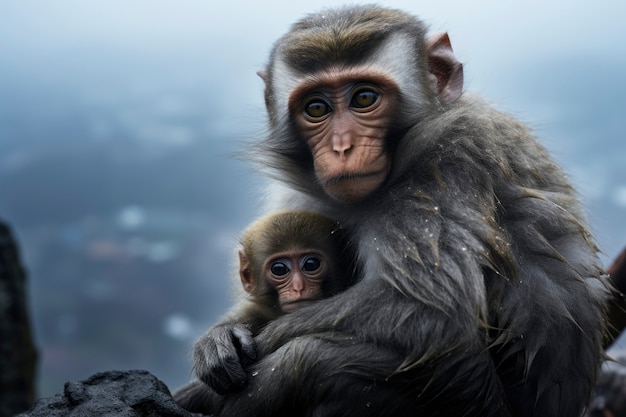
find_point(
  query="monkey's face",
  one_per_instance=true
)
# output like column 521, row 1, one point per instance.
column 344, row 119
column 347, row 95
column 342, row 107
column 297, row 277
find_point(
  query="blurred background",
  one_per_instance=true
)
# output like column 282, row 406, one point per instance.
column 118, row 121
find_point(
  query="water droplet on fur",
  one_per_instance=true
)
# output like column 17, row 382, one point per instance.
column 255, row 373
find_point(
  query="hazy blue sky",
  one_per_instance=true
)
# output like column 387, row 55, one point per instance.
column 233, row 38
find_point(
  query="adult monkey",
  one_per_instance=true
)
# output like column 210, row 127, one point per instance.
column 287, row 260
column 482, row 293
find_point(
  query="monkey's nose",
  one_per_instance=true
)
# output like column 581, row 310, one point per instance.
column 297, row 284
column 342, row 143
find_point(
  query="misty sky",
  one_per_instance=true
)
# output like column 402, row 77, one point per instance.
column 64, row 38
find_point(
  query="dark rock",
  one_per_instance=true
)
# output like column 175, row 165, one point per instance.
column 609, row 394
column 112, row 393
column 617, row 307
column 17, row 351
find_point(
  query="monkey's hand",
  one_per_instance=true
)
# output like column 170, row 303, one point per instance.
column 219, row 356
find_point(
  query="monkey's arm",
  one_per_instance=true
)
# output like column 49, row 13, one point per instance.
column 545, row 288
column 221, row 353
column 196, row 397
column 549, row 314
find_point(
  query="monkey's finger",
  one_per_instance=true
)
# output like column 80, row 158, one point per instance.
column 233, row 378
column 246, row 343
column 223, row 373
column 223, row 383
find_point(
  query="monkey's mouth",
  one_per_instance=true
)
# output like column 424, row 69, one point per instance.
column 292, row 306
column 353, row 176
column 354, row 187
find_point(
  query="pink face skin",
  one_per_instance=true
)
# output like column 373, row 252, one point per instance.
column 345, row 124
column 297, row 277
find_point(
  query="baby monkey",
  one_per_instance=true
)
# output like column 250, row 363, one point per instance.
column 287, row 260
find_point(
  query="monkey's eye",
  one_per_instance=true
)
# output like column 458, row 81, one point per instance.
column 364, row 98
column 316, row 108
column 279, row 269
column 311, row 264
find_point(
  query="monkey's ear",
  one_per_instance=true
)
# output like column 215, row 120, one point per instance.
column 445, row 67
column 263, row 74
column 247, row 280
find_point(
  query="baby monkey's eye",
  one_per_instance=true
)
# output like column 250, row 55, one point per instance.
column 279, row 269
column 311, row 264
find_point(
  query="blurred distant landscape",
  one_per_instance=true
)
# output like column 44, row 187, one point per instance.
column 128, row 216
column 118, row 178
